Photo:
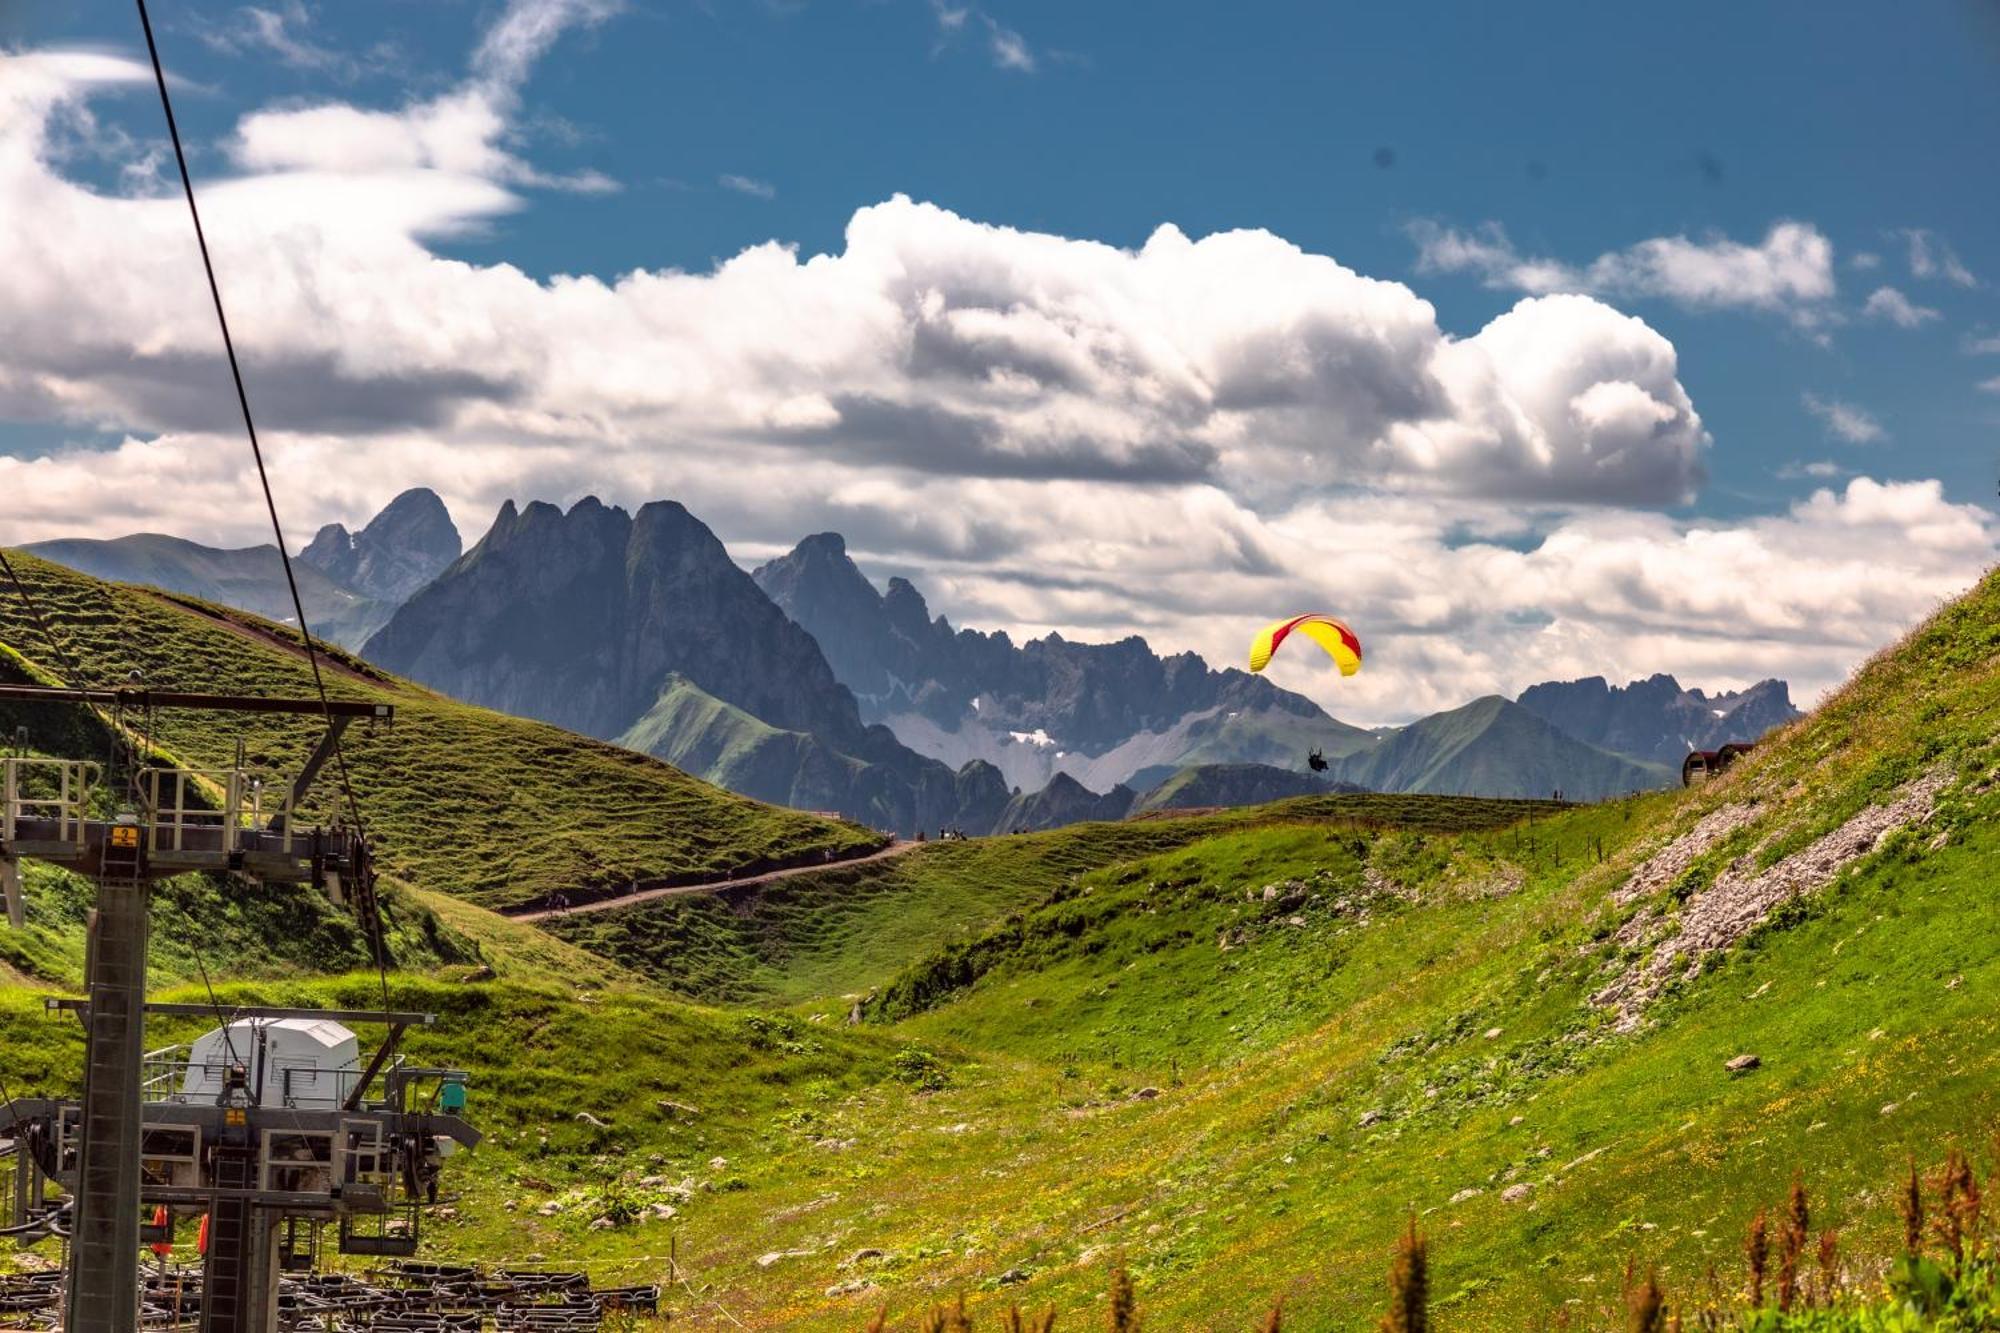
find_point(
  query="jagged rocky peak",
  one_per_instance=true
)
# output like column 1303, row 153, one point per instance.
column 818, row 573
column 578, row 617
column 873, row 641
column 404, row 547
column 665, row 530
column 906, row 607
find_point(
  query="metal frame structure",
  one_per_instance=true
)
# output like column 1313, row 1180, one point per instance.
column 266, row 1172
column 153, row 838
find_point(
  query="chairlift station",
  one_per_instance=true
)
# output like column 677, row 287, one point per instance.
column 266, row 1131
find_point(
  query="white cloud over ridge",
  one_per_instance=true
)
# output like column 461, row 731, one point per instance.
column 1047, row 433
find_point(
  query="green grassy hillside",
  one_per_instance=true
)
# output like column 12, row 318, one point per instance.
column 1152, row 1060
column 1268, row 736
column 460, row 800
column 1428, row 1041
column 843, row 930
column 698, row 733
column 1239, row 1051
column 1210, row 785
column 231, row 927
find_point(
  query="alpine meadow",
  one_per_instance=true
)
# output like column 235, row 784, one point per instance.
column 930, row 667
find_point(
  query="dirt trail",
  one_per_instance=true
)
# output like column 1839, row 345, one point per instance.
column 711, row 886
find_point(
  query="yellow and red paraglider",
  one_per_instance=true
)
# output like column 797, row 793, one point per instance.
column 1340, row 642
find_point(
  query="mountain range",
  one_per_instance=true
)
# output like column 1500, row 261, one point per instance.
column 1119, row 715
column 1656, row 719
column 640, row 628
column 1447, row 988
column 1104, row 713
column 350, row 583
column 803, row 684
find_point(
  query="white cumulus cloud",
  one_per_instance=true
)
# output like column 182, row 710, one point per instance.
column 931, row 342
column 1789, row 271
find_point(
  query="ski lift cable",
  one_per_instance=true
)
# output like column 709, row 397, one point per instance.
column 201, row 964
column 257, row 453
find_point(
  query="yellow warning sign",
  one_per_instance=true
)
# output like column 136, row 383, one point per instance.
column 124, row 835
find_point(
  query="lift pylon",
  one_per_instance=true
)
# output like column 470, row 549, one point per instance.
column 126, row 854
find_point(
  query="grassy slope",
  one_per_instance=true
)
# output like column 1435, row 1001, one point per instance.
column 535, row 1053
column 1269, row 737
column 461, row 800
column 229, row 927
column 693, row 730
column 840, row 931
column 1255, row 1174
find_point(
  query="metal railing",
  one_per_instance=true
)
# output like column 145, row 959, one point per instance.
column 74, row 781
column 173, row 1075
column 174, row 823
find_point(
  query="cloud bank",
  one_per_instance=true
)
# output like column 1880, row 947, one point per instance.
column 1180, row 439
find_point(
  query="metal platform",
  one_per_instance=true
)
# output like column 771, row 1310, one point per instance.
column 186, row 821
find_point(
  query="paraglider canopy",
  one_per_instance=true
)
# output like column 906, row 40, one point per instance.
column 1337, row 639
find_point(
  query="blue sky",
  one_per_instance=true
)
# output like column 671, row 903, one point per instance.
column 1477, row 154
column 1580, row 127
